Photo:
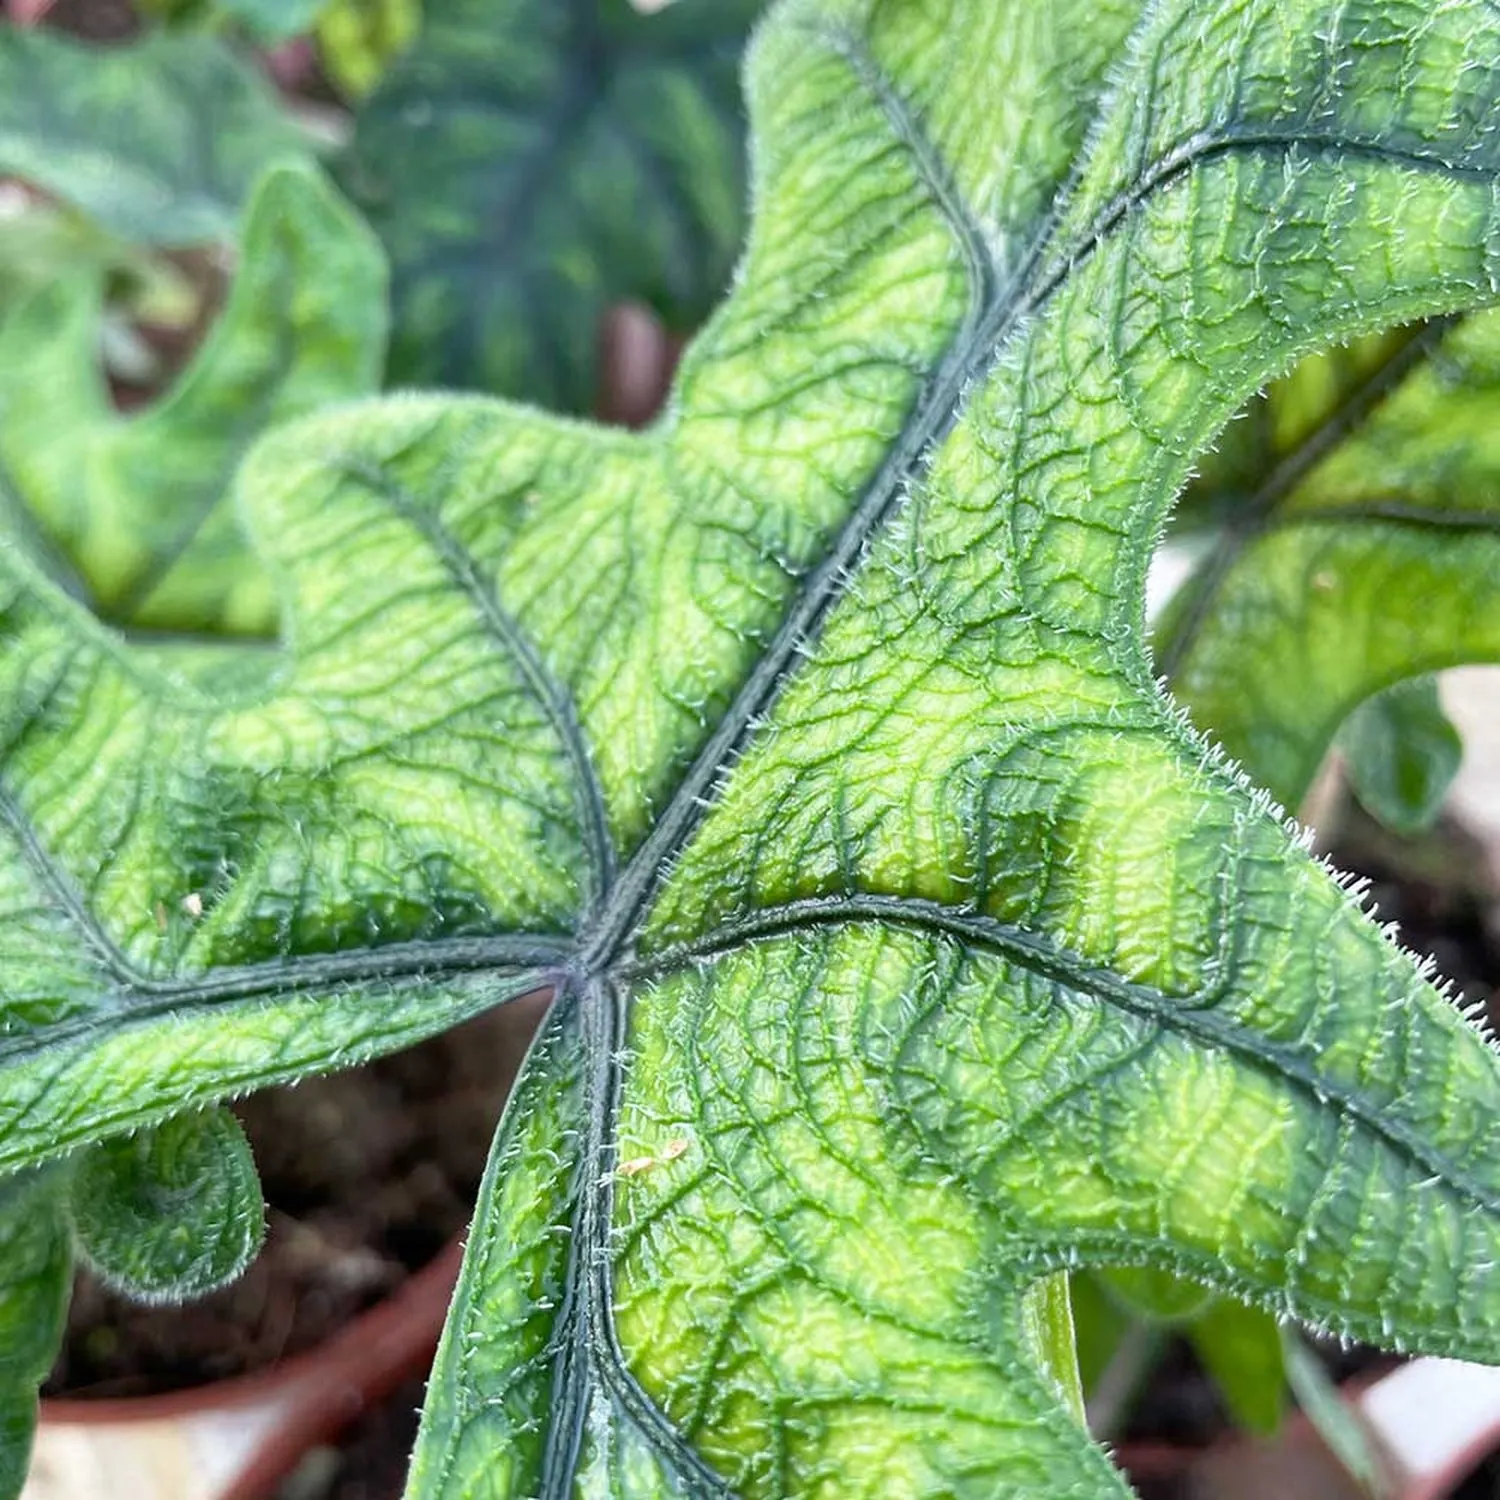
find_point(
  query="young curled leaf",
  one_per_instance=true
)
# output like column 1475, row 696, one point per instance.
column 171, row 1212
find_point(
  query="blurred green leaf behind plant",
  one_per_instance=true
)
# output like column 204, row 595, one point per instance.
column 529, row 162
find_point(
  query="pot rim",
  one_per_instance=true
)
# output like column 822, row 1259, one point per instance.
column 308, row 1398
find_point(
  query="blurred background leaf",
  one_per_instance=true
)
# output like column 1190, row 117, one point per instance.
column 133, row 512
column 158, row 140
column 528, row 163
column 1402, row 753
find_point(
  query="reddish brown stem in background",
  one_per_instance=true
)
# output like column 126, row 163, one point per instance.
column 639, row 358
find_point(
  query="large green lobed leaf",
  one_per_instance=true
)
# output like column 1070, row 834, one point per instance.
column 909, row 946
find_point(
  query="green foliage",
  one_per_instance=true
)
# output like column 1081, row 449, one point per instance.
column 1155, row 1294
column 36, row 1267
column 268, row 21
column 274, row 20
column 909, row 947
column 40, row 243
column 1242, row 1348
column 159, row 141
column 134, row 510
column 1338, row 1424
column 529, row 162
column 357, row 39
column 172, row 1212
column 1403, row 754
column 1123, row 1315
column 360, row 39
column 1360, row 546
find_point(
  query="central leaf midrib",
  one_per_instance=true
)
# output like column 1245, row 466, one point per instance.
column 933, row 415
column 587, row 1342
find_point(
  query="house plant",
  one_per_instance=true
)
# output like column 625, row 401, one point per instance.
column 904, row 934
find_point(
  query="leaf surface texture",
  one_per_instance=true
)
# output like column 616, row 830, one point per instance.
column 908, row 944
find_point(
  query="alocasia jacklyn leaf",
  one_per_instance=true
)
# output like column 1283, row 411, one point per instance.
column 137, row 507
column 529, row 162
column 908, row 945
column 159, row 141
column 1363, row 550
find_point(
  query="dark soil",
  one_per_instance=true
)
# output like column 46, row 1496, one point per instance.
column 367, row 1175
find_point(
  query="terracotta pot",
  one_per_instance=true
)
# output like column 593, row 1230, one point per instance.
column 235, row 1439
column 1432, row 1421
